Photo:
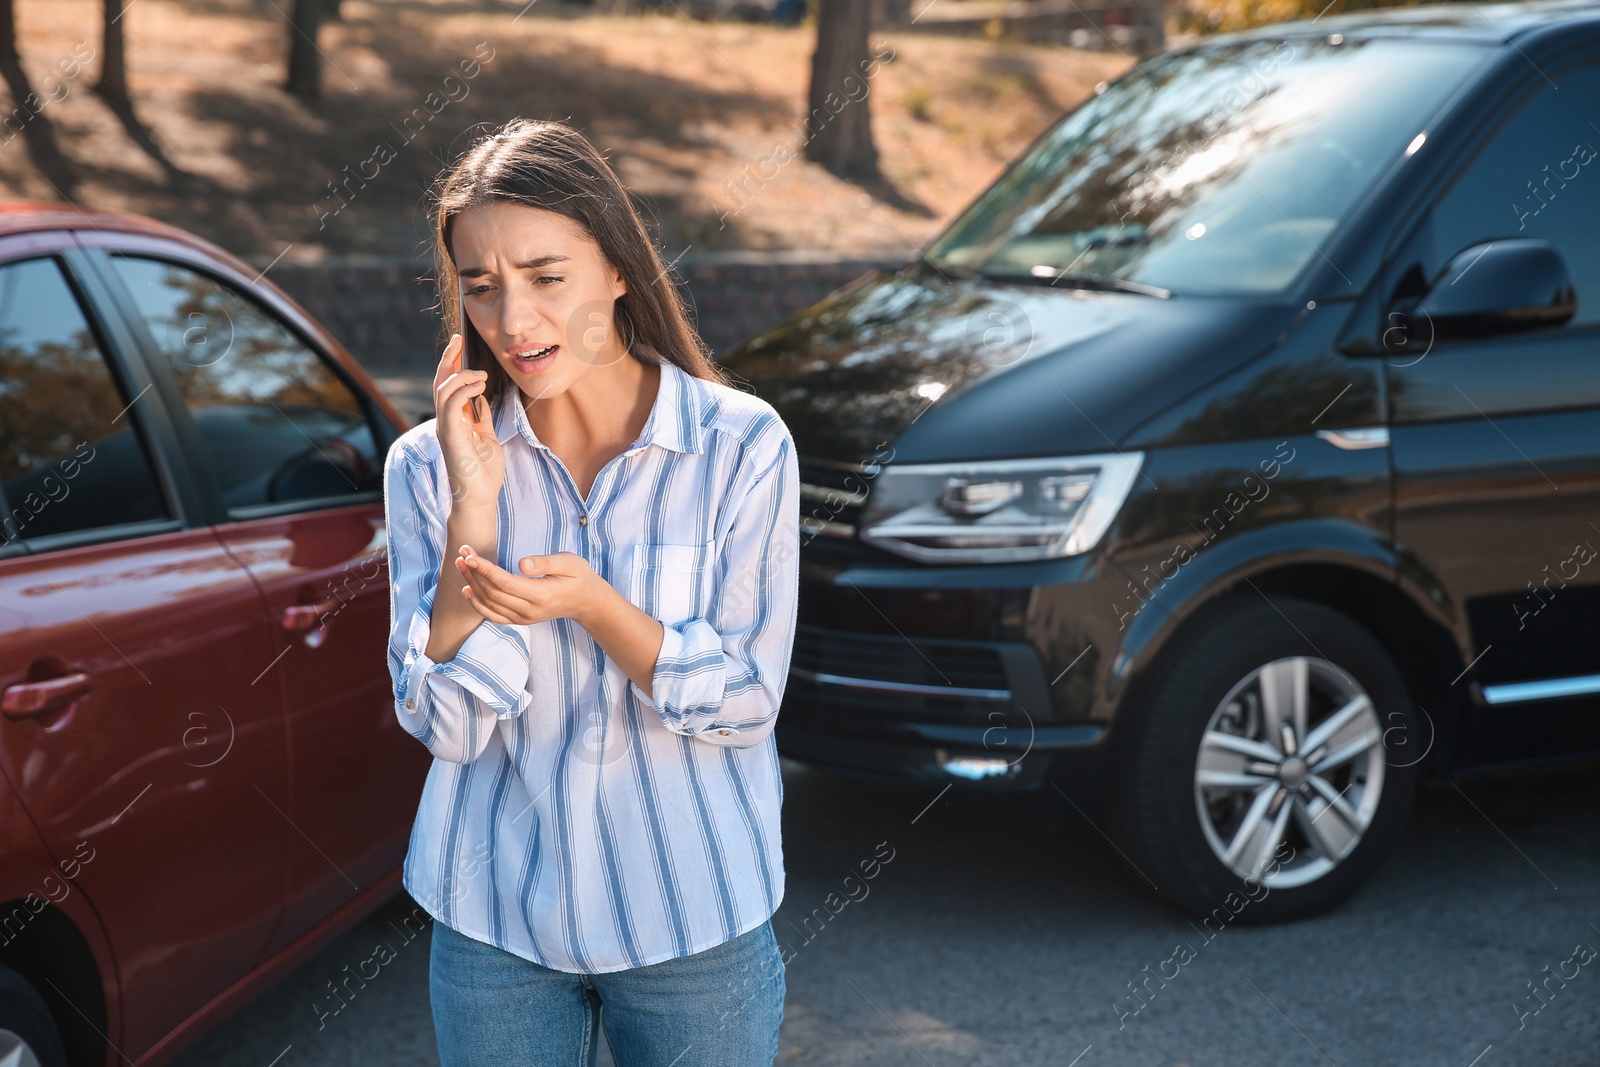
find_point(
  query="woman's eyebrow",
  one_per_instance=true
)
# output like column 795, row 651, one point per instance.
column 529, row 264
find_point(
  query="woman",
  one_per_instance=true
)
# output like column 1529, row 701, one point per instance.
column 596, row 663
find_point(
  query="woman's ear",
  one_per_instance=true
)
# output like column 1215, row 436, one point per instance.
column 617, row 284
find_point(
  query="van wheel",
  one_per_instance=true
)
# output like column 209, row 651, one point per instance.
column 28, row 1034
column 1256, row 784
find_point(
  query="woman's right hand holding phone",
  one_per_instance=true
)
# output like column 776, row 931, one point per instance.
column 472, row 452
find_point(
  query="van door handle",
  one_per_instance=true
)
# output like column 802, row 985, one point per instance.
column 1356, row 437
column 29, row 699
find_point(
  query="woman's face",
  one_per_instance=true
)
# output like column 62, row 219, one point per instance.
column 539, row 292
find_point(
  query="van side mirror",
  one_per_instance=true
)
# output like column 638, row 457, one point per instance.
column 1508, row 286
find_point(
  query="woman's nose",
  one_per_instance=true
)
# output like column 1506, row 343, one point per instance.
column 519, row 314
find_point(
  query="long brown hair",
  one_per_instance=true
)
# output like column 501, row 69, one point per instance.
column 552, row 166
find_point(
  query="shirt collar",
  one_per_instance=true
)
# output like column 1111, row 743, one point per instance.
column 674, row 421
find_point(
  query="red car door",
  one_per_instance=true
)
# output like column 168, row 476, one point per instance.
column 291, row 448
column 129, row 724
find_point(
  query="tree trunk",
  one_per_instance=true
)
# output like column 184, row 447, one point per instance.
column 305, row 62
column 113, row 83
column 838, row 124
column 8, row 31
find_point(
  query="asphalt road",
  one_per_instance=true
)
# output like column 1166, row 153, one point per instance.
column 1005, row 936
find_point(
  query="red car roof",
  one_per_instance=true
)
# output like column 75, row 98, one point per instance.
column 19, row 216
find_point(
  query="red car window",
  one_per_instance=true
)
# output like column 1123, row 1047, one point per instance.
column 277, row 423
column 71, row 457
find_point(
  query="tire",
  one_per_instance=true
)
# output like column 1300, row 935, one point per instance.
column 1208, row 754
column 27, row 1030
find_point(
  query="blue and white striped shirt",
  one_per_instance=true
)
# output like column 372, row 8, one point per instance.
column 568, row 818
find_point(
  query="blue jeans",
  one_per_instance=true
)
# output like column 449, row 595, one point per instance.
column 716, row 1008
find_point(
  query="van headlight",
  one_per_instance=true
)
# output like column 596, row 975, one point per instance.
column 997, row 511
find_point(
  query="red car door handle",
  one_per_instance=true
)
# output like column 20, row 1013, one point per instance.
column 26, row 699
column 299, row 618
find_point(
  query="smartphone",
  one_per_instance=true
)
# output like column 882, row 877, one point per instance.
column 468, row 362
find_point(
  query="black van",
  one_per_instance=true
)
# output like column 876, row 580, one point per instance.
column 1233, row 462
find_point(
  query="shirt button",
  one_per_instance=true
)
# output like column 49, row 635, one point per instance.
column 724, row 733
column 411, row 703
column 583, row 520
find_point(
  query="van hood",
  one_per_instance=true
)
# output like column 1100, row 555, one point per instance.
column 968, row 369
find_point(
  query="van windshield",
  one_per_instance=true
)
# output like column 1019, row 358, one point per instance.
column 1221, row 170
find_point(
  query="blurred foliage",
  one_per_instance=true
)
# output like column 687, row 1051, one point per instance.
column 54, row 394
column 1221, row 16
column 223, row 349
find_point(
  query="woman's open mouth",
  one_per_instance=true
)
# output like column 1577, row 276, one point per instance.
column 535, row 359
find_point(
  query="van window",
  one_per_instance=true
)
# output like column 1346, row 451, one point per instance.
column 278, row 423
column 1220, row 170
column 1538, row 177
column 71, row 457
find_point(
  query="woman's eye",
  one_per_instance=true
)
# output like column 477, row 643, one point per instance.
column 549, row 278
column 477, row 289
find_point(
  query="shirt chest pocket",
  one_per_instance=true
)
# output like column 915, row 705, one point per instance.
column 672, row 582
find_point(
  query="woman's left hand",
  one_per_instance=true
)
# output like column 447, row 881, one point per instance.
column 568, row 585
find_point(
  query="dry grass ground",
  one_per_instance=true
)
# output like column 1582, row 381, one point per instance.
column 697, row 118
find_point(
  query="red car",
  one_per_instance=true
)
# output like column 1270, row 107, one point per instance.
column 202, row 779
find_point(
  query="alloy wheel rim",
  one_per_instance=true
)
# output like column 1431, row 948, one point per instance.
column 1289, row 772
column 15, row 1051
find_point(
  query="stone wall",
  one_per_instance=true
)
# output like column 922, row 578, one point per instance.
column 379, row 309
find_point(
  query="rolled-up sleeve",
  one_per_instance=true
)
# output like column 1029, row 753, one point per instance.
column 722, row 679
column 451, row 707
